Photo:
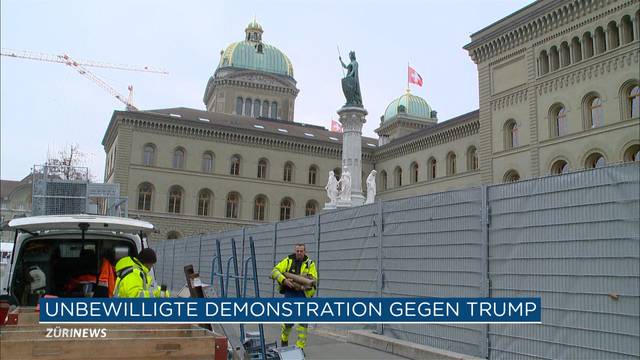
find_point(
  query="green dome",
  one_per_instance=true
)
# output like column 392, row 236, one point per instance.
column 253, row 54
column 413, row 106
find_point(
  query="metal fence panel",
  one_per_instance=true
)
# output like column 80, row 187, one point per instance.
column 432, row 247
column 572, row 240
column 263, row 239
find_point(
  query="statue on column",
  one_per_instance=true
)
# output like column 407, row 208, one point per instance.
column 332, row 188
column 371, row 187
column 345, row 185
column 351, row 82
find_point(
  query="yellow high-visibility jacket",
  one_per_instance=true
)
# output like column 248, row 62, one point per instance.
column 132, row 279
column 308, row 268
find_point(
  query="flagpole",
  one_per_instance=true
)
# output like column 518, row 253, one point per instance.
column 407, row 76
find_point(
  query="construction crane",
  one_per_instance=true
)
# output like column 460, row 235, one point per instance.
column 80, row 67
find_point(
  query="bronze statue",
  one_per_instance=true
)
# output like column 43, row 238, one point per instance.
column 351, row 82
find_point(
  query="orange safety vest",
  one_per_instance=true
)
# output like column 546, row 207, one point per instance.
column 107, row 277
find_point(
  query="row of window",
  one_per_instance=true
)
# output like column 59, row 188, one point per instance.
column 256, row 108
column 205, row 201
column 590, row 44
column 594, row 160
column 432, row 166
column 592, row 114
column 178, row 162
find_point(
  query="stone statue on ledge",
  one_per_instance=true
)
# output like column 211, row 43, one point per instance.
column 332, row 188
column 371, row 187
column 351, row 82
column 345, row 186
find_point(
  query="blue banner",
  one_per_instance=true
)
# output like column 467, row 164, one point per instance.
column 291, row 310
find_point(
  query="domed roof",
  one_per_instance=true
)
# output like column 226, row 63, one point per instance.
column 253, row 54
column 408, row 104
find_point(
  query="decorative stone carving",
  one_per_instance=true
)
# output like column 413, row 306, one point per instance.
column 345, row 186
column 332, row 189
column 371, row 187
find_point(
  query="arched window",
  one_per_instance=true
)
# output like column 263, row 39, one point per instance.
column 451, row 163
column 559, row 167
column 235, row 165
column 262, row 169
column 239, row 105
column 472, row 158
column 558, row 117
column 576, row 49
column 431, row 170
column 233, row 205
column 313, row 174
column 145, row 196
column 600, row 43
column 633, row 102
column 259, row 208
column 397, row 177
column 178, row 158
column 565, row 56
column 265, row 109
column 595, row 160
column 596, row 113
column 554, row 58
column 543, row 62
column 311, row 208
column 247, row 107
column 207, row 162
column 175, row 199
column 632, row 153
column 587, row 41
column 510, row 134
column 511, row 176
column 256, row 107
column 274, row 110
column 627, row 29
column 286, row 209
column 149, row 155
column 384, row 182
column 287, row 175
column 614, row 35
column 172, row 235
column 414, row 172
column 204, row 202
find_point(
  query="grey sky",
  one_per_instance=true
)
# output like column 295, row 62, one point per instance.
column 45, row 106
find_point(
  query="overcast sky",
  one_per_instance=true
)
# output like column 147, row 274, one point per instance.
column 46, row 106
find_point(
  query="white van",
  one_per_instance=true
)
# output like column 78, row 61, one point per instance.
column 61, row 255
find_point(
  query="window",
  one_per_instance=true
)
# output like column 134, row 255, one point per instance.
column 259, row 208
column 239, row 105
column 510, row 134
column 311, row 208
column 633, row 102
column 385, row 184
column 256, row 108
column 175, row 199
column 204, row 202
column 543, row 62
column 274, row 110
column 313, row 174
column 285, row 209
column 595, row 160
column 451, row 164
column 632, row 153
column 233, row 202
column 432, row 164
column 262, row 169
column 145, row 194
column 627, row 29
column 172, row 235
column 554, row 58
column 576, row 49
column 397, row 177
column 614, row 35
column 207, row 162
column 149, row 155
column 178, row 158
column 235, row 165
column 288, row 172
column 596, row 114
column 587, row 40
column 265, row 109
column 559, row 167
column 565, row 59
column 472, row 158
column 247, row 107
column 558, row 116
column 511, row 176
column 414, row 172
column 600, row 43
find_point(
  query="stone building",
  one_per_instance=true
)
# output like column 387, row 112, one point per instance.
column 559, row 91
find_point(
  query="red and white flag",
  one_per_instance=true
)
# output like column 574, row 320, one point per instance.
column 335, row 126
column 414, row 77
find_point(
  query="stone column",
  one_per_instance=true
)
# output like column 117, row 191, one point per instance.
column 352, row 119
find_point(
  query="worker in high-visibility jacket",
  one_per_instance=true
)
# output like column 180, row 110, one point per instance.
column 297, row 263
column 133, row 278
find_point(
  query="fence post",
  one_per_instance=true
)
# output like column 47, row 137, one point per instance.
column 173, row 262
column 244, row 234
column 275, row 240
column 486, row 284
column 317, row 236
column 200, row 252
column 379, row 229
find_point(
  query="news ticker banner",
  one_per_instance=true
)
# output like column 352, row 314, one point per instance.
column 291, row 310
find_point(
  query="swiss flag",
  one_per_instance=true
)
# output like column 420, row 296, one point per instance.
column 335, row 126
column 414, row 77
